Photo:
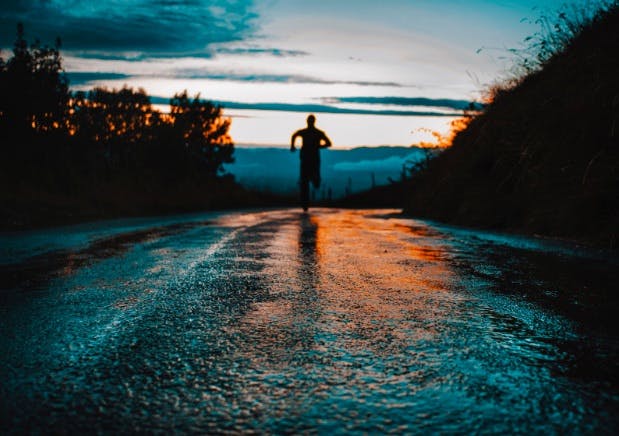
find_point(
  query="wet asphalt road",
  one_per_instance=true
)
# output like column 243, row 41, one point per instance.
column 329, row 322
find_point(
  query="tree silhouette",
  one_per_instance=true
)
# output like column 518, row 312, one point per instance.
column 82, row 143
column 116, row 124
column 34, row 91
column 203, row 132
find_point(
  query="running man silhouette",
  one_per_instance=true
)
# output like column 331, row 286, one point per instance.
column 313, row 141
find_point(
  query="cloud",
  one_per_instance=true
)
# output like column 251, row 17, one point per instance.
column 200, row 73
column 317, row 108
column 139, row 56
column 261, row 51
column 145, row 26
column 273, row 78
column 82, row 78
column 408, row 101
column 204, row 53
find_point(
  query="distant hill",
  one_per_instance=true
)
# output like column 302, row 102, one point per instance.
column 276, row 170
column 544, row 156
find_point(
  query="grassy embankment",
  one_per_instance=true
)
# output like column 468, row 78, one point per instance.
column 543, row 157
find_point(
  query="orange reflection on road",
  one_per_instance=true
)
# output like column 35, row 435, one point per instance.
column 381, row 287
column 363, row 282
column 346, row 291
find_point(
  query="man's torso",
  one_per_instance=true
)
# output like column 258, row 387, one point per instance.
column 311, row 142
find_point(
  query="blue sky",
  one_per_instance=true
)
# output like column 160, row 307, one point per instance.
column 383, row 71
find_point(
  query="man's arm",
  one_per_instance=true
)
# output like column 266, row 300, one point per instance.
column 293, row 139
column 326, row 140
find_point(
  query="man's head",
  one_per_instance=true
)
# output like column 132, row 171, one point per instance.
column 311, row 120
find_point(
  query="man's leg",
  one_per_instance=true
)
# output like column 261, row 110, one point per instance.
column 304, row 193
column 316, row 179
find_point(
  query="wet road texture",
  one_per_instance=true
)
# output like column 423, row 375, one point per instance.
column 335, row 321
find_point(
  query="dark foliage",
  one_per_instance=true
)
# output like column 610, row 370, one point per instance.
column 33, row 90
column 103, row 152
column 544, row 156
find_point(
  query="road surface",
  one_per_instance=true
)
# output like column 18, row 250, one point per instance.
column 329, row 322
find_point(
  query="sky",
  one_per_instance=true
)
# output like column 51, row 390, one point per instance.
column 374, row 72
